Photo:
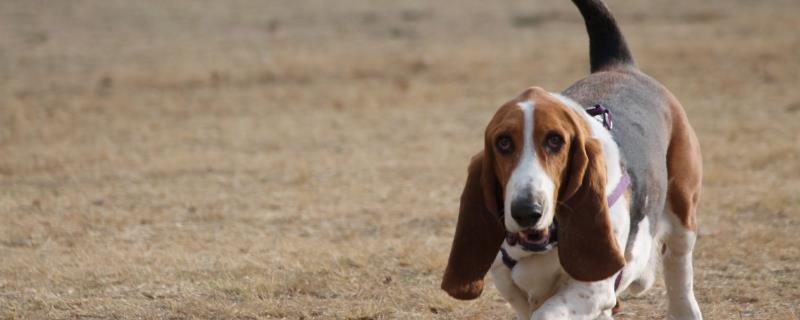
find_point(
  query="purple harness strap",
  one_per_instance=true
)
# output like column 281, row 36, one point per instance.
column 623, row 184
column 600, row 110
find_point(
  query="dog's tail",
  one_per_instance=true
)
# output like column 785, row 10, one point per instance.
column 607, row 47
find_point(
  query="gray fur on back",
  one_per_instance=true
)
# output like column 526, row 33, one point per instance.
column 641, row 118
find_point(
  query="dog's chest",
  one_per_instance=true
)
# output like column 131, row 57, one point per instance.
column 538, row 275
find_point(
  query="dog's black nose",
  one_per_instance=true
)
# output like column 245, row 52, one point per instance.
column 526, row 212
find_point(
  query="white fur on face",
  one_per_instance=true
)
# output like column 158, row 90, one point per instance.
column 529, row 176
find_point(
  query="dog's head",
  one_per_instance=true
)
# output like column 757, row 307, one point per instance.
column 540, row 181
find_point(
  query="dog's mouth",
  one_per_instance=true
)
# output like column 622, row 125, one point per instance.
column 534, row 240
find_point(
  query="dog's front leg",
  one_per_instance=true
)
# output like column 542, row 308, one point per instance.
column 578, row 300
column 510, row 291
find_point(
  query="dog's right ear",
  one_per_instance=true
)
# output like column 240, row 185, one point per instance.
column 479, row 232
column 587, row 248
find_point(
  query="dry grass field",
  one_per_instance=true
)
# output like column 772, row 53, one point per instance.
column 304, row 159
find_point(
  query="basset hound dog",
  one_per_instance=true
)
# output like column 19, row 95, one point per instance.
column 569, row 210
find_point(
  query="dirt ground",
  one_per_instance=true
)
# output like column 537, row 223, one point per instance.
column 304, row 159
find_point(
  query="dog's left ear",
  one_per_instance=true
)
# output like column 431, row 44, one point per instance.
column 587, row 248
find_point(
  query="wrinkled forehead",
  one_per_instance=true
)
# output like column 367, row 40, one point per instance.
column 548, row 113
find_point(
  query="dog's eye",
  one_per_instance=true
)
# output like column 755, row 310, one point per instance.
column 554, row 142
column 504, row 144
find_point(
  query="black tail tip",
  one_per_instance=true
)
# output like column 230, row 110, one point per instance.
column 607, row 46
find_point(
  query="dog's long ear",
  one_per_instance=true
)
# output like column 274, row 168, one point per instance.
column 586, row 245
column 479, row 232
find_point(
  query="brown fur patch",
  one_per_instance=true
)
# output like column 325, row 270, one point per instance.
column 507, row 121
column 684, row 166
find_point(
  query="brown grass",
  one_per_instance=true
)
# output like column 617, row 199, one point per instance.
column 303, row 159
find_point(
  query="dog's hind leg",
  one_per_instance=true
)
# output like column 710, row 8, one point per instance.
column 685, row 175
column 678, row 273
